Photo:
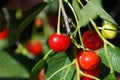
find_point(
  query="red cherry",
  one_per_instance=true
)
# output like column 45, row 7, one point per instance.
column 41, row 75
column 59, row 42
column 34, row 47
column 93, row 72
column 4, row 34
column 118, row 77
column 78, row 58
column 38, row 22
column 92, row 40
column 88, row 60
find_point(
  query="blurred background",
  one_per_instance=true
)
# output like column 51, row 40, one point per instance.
column 13, row 12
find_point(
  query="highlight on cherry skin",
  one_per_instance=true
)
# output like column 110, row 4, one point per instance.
column 4, row 34
column 88, row 59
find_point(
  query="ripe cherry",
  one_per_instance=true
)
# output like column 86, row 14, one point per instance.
column 78, row 58
column 4, row 34
column 88, row 60
column 91, row 40
column 118, row 77
column 34, row 47
column 38, row 22
column 41, row 75
column 93, row 72
column 59, row 42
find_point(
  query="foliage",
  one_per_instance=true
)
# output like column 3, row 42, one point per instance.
column 57, row 65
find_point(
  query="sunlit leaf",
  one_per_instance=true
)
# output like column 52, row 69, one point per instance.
column 55, row 63
column 102, row 13
column 88, row 12
column 114, row 55
column 110, row 77
column 77, row 11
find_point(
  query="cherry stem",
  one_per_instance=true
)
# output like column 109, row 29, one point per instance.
column 79, row 1
column 87, row 75
column 83, row 74
column 76, row 43
column 72, row 11
column 7, row 15
column 61, row 70
column 59, row 14
column 77, row 23
column 91, row 32
column 108, row 59
column 34, row 31
column 104, row 40
column 77, row 69
column 80, row 36
column 73, row 25
column 88, row 24
column 105, row 45
column 48, row 53
column 108, row 29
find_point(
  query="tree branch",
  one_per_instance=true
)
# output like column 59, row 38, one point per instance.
column 65, row 19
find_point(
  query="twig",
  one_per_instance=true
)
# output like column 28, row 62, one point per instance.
column 65, row 19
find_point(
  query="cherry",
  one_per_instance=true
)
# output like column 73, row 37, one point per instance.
column 91, row 40
column 108, row 34
column 93, row 72
column 41, row 75
column 118, row 77
column 78, row 58
column 59, row 42
column 38, row 22
column 34, row 47
column 88, row 59
column 4, row 34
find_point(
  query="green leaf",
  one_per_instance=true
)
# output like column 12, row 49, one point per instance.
column 32, row 14
column 4, row 44
column 114, row 55
column 110, row 77
column 69, row 71
column 77, row 11
column 93, row 9
column 10, row 68
column 88, row 12
column 101, row 12
column 36, row 69
column 55, row 63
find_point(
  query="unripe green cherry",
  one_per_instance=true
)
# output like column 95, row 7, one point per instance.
column 108, row 32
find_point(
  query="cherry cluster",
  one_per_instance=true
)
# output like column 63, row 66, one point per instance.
column 88, row 59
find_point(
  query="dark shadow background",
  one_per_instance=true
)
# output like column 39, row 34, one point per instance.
column 113, row 8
